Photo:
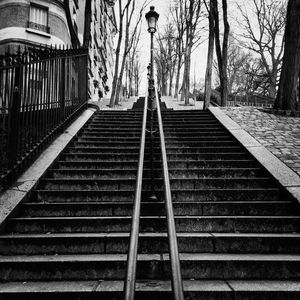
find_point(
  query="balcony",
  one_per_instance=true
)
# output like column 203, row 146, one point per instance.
column 39, row 27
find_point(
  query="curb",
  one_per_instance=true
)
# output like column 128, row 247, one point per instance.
column 289, row 179
column 24, row 184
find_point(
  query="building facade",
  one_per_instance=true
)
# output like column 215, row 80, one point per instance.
column 37, row 23
column 62, row 23
column 103, row 29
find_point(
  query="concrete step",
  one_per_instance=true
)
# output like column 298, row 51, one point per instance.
column 152, row 266
column 101, row 133
column 217, row 208
column 129, row 184
column 200, row 150
column 92, row 173
column 173, row 164
column 100, row 150
column 100, row 156
column 186, row 195
column 191, row 139
column 174, row 173
column 114, row 243
column 209, row 156
column 217, row 173
column 197, row 134
column 237, row 224
column 104, row 165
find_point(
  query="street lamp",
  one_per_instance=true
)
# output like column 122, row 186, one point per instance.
column 151, row 17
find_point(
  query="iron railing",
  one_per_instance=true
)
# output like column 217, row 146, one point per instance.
column 129, row 287
column 40, row 91
column 177, row 285
column 130, row 281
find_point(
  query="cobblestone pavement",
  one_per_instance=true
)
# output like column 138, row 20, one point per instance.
column 279, row 134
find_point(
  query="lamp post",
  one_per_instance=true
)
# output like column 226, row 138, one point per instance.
column 151, row 17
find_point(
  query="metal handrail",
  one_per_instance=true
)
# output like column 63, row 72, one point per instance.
column 177, row 286
column 129, row 287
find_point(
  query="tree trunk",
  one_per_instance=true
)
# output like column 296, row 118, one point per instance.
column 287, row 93
column 187, row 82
column 222, row 53
column 118, row 49
column 210, row 57
column 177, row 76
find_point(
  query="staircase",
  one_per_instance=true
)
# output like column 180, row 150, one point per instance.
column 238, row 235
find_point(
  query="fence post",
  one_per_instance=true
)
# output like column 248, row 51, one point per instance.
column 62, row 88
column 14, row 119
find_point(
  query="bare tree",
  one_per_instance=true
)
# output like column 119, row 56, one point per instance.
column 137, row 70
column 176, row 15
column 222, row 52
column 130, row 35
column 289, row 79
column 210, row 54
column 192, row 9
column 118, row 49
column 165, row 59
column 263, row 33
column 132, row 61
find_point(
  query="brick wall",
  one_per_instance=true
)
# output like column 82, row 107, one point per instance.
column 14, row 15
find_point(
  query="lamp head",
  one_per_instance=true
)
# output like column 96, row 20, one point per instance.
column 152, row 17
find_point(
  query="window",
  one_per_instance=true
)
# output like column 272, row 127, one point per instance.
column 38, row 18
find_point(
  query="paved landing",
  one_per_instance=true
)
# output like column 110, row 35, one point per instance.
column 179, row 105
column 123, row 105
column 279, row 134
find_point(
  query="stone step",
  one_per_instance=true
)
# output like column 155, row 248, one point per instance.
column 217, row 208
column 209, row 156
column 128, row 184
column 200, row 150
column 101, row 133
column 170, row 150
column 174, row 144
column 187, row 139
column 113, row 243
column 90, row 173
column 100, row 150
column 105, row 165
column 217, row 173
column 153, row 290
column 196, row 134
column 186, row 195
column 237, row 224
column 173, row 164
column 100, row 156
column 151, row 266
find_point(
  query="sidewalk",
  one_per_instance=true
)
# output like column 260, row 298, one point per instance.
column 279, row 134
column 124, row 104
column 179, row 105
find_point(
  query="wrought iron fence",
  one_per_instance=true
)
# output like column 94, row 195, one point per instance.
column 40, row 91
column 251, row 100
